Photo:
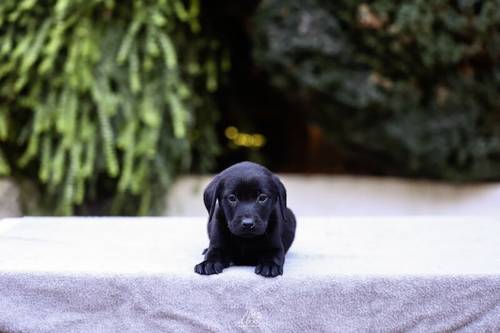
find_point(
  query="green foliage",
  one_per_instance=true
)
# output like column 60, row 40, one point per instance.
column 408, row 87
column 105, row 92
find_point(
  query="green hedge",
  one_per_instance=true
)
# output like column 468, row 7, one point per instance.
column 103, row 97
column 410, row 88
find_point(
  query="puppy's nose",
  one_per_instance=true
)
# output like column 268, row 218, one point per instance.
column 248, row 223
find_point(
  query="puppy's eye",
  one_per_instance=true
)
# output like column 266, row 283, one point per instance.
column 232, row 198
column 262, row 198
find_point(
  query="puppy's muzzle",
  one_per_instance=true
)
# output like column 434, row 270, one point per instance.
column 248, row 223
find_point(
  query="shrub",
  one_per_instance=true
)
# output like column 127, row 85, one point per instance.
column 409, row 86
column 105, row 98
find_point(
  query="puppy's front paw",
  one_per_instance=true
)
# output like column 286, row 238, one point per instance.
column 269, row 269
column 209, row 267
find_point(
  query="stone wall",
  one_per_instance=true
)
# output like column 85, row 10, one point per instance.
column 357, row 196
column 331, row 196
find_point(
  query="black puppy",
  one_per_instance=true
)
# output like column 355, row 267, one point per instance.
column 249, row 222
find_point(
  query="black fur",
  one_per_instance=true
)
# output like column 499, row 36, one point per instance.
column 249, row 222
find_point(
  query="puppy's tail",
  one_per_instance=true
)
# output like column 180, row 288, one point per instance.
column 204, row 251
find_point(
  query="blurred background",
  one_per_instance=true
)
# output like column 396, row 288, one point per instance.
column 365, row 108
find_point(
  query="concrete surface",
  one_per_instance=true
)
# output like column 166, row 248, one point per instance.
column 331, row 196
column 356, row 196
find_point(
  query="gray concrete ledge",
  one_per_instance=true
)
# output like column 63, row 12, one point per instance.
column 331, row 196
column 357, row 196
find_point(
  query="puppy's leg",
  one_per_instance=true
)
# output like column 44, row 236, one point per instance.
column 215, row 261
column 272, row 259
column 271, row 263
column 216, row 256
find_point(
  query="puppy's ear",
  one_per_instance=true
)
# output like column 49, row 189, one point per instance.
column 281, row 202
column 211, row 194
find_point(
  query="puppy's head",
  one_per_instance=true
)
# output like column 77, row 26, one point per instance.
column 248, row 194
